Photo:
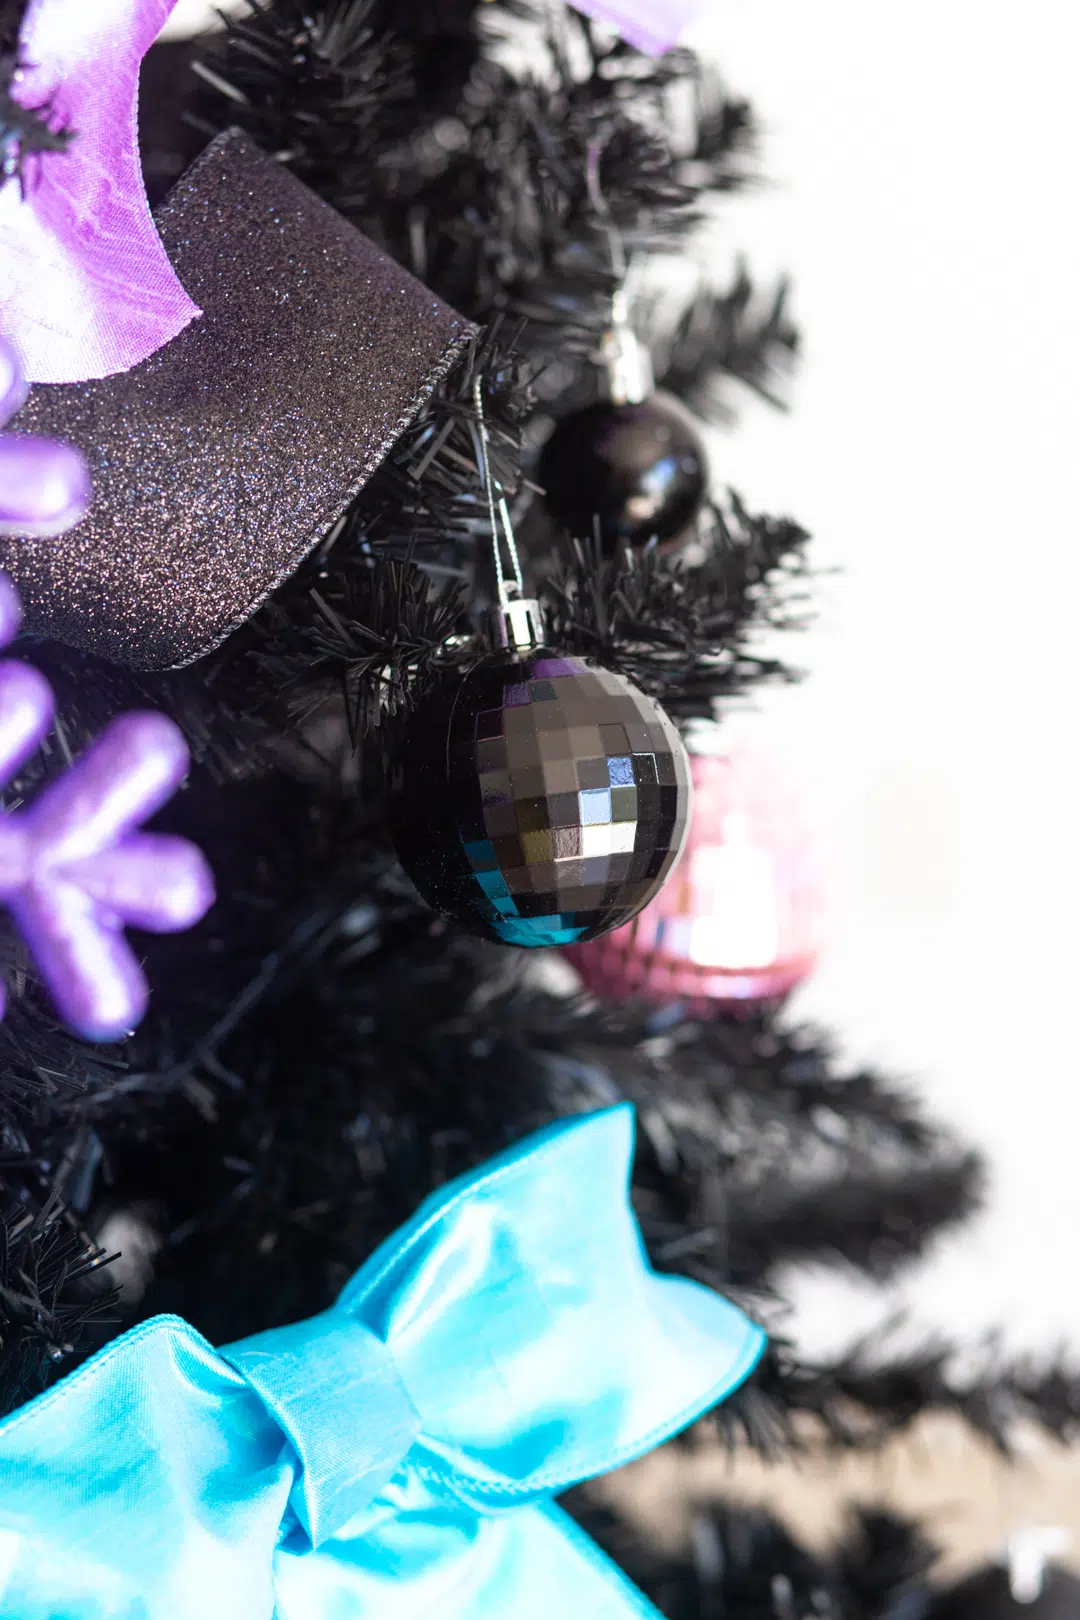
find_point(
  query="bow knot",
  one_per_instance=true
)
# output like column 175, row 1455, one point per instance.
column 335, row 1391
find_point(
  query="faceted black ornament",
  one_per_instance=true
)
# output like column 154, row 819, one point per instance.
column 640, row 471
column 539, row 800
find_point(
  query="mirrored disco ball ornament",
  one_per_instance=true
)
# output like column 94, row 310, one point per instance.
column 740, row 922
column 539, row 799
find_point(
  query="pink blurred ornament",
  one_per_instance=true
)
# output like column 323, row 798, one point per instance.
column 740, row 920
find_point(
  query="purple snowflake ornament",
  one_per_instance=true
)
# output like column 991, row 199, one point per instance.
column 75, row 869
column 44, row 485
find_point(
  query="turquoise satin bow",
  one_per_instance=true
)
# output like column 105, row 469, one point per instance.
column 396, row 1457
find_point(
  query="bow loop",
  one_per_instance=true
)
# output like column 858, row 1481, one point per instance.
column 528, row 1326
column 393, row 1458
column 334, row 1389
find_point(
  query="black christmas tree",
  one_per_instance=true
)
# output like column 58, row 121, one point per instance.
column 324, row 1051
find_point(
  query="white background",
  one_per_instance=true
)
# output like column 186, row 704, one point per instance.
column 921, row 164
column 922, row 169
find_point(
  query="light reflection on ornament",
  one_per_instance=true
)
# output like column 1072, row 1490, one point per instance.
column 740, row 921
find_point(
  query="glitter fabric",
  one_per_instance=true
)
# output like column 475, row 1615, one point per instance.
column 540, row 800
column 44, row 486
column 223, row 459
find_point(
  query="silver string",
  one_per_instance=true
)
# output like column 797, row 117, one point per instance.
column 499, row 506
column 615, row 245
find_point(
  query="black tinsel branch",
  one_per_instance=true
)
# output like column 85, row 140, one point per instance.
column 369, row 628
column 729, row 335
column 338, row 89
column 43, row 1066
column 548, row 164
column 874, row 1221
column 744, row 1563
column 54, row 1288
column 685, row 631
column 371, row 641
column 319, row 87
column 309, row 80
column 504, row 197
column 338, row 1054
column 369, row 1057
column 862, row 1398
column 756, row 1150
column 426, row 494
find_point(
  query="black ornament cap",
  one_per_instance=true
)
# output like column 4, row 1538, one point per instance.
column 539, row 800
column 634, row 471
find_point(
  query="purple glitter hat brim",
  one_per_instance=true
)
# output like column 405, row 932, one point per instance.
column 219, row 463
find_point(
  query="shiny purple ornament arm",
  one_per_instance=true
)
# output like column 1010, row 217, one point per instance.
column 74, row 869
column 149, row 880
column 90, row 970
column 26, row 712
column 44, row 485
column 86, row 874
column 127, row 774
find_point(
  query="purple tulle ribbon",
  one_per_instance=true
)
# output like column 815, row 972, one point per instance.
column 74, row 867
column 652, row 25
column 86, row 288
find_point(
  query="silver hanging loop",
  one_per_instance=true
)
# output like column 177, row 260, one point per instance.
column 517, row 620
column 625, row 360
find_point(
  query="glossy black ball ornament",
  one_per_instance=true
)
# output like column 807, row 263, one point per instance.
column 539, row 800
column 639, row 470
